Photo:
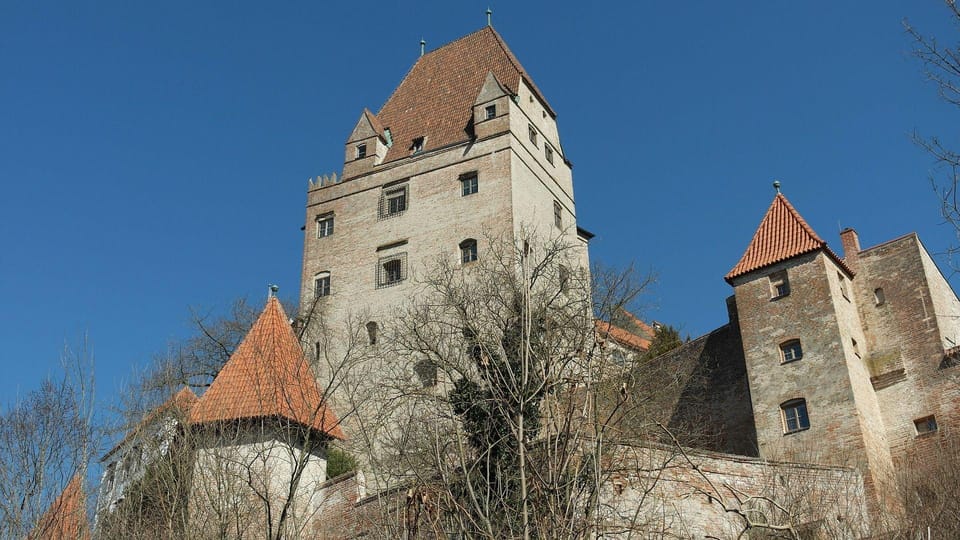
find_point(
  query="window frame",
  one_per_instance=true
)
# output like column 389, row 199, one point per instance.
column 928, row 423
column 779, row 285
column 557, row 214
column 469, row 184
column 796, row 411
column 532, row 134
column 468, row 251
column 790, row 351
column 324, row 289
column 393, row 193
column 548, row 152
column 361, row 151
column 385, row 275
column 490, row 111
column 325, row 231
column 418, row 144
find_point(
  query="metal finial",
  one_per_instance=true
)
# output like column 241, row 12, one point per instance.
column 776, row 186
column 423, row 46
column 272, row 290
column 489, row 13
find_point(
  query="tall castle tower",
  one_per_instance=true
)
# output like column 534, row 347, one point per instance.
column 850, row 360
column 464, row 152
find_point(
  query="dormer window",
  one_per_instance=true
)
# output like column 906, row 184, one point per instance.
column 417, row 146
column 490, row 112
column 361, row 151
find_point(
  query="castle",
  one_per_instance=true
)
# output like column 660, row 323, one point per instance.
column 843, row 362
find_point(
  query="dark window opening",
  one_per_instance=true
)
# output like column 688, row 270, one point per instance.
column 468, row 251
column 927, row 424
column 790, row 351
column 372, row 332
column 361, row 151
column 490, row 112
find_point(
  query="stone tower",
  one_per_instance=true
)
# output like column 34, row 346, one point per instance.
column 804, row 346
column 465, row 152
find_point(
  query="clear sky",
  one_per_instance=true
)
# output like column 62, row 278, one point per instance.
column 155, row 156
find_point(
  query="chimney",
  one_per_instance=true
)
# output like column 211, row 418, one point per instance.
column 851, row 247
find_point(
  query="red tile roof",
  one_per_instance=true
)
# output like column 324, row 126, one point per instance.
column 621, row 336
column 435, row 98
column 66, row 519
column 782, row 234
column 267, row 376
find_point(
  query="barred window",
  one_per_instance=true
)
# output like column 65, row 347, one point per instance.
column 391, row 270
column 393, row 201
column 794, row 416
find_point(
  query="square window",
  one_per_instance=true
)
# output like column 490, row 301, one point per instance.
column 927, row 424
column 548, row 153
column 469, row 184
column 391, row 270
column 417, row 145
column 490, row 112
column 779, row 285
column 321, row 284
column 532, row 133
column 393, row 202
column 790, row 351
column 794, row 416
column 361, row 151
column 324, row 226
column 557, row 215
column 468, row 251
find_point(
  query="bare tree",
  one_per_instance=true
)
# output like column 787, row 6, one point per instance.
column 46, row 440
column 941, row 65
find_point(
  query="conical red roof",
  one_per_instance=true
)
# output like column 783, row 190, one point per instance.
column 783, row 234
column 67, row 516
column 267, row 376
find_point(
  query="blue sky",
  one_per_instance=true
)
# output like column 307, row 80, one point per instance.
column 154, row 157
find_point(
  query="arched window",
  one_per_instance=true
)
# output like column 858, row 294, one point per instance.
column 790, row 351
column 372, row 332
column 793, row 413
column 468, row 251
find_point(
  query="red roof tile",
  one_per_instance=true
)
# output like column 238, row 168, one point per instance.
column 782, row 234
column 621, row 336
column 267, row 376
column 435, row 98
column 66, row 519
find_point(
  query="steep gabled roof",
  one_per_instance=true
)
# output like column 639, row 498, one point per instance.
column 782, row 234
column 66, row 518
column 267, row 376
column 435, row 98
column 623, row 337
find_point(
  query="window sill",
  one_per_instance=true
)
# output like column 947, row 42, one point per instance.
column 794, row 432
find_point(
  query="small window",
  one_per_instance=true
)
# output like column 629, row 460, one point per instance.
column 393, row 202
column 794, row 416
column 316, row 351
column 468, row 251
column 843, row 285
column 324, row 226
column 548, row 153
column 372, row 332
column 532, row 132
column 856, row 347
column 779, row 285
column 490, row 112
column 790, row 351
column 563, row 276
column 557, row 215
column 927, row 424
column 417, row 145
column 321, row 284
column 426, row 371
column 391, row 270
column 469, row 184
column 361, row 151
column 878, row 297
